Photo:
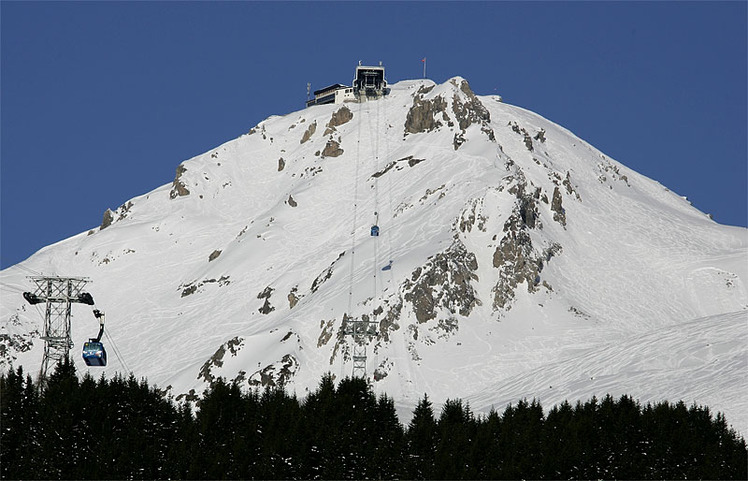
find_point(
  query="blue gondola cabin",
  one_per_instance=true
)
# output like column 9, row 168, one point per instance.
column 94, row 354
column 375, row 231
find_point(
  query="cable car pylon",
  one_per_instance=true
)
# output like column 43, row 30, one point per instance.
column 58, row 294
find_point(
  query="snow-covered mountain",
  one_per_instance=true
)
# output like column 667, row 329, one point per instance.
column 523, row 262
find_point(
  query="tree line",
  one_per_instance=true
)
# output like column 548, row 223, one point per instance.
column 121, row 428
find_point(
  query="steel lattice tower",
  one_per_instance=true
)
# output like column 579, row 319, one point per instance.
column 58, row 294
column 360, row 330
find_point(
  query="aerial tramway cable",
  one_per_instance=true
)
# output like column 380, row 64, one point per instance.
column 116, row 351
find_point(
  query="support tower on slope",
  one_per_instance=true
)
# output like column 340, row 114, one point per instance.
column 360, row 330
column 58, row 293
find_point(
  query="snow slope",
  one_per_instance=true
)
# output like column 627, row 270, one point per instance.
column 525, row 263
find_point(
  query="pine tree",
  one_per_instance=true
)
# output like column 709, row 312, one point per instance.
column 388, row 458
column 421, row 440
column 19, row 425
column 456, row 431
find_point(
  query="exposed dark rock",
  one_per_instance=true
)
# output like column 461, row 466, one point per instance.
column 214, row 255
column 470, row 216
column 327, row 332
column 188, row 290
column 446, row 327
column 389, row 167
column 528, row 141
column 339, row 117
column 423, row 89
column 266, row 308
column 569, row 188
column 277, row 374
column 11, row 344
column 412, row 161
column 472, row 111
column 388, row 323
column 525, row 135
column 612, row 170
column 459, row 139
column 108, row 219
column 540, row 135
column 515, row 257
column 320, row 279
column 559, row 213
column 443, row 282
column 309, row 132
column 216, row 360
column 291, row 201
column 332, row 149
column 178, row 188
column 397, row 165
column 422, row 115
column 192, row 287
column 293, row 299
column 281, row 164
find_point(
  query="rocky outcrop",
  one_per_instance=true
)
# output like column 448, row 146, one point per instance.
column 293, row 299
column 14, row 339
column 515, row 257
column 216, row 360
column 266, row 308
column 332, row 149
column 326, row 333
column 525, row 135
column 193, row 287
column 444, row 282
column 559, row 213
column 607, row 168
column 339, row 117
column 471, row 110
column 107, row 220
column 277, row 374
column 111, row 216
column 422, row 116
column 309, row 132
column 178, row 188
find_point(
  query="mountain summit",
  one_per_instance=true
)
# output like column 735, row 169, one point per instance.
column 512, row 260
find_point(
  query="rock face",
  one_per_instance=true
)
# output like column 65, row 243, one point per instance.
column 559, row 213
column 309, row 132
column 443, row 282
column 425, row 115
column 266, row 308
column 332, row 149
column 178, row 187
column 108, row 219
column 429, row 114
column 339, row 117
column 469, row 111
column 277, row 374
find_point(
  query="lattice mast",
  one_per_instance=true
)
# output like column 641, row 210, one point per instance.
column 361, row 330
column 58, row 294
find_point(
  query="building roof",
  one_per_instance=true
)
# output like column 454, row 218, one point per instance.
column 331, row 87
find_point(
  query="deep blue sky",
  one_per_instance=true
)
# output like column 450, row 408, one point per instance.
column 101, row 101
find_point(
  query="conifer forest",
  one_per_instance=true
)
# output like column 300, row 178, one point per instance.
column 122, row 428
